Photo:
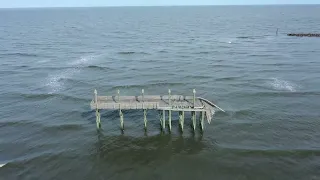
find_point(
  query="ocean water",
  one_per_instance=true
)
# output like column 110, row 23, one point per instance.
column 52, row 59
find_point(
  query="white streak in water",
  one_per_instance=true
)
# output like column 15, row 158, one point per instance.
column 82, row 61
column 55, row 82
column 1, row 165
column 43, row 61
column 282, row 85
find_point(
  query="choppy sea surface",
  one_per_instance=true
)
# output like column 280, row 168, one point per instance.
column 52, row 59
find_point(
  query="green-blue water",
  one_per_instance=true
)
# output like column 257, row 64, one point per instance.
column 51, row 60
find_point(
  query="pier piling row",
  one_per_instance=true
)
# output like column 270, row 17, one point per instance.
column 163, row 104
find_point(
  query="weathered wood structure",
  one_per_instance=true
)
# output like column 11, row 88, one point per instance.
column 163, row 104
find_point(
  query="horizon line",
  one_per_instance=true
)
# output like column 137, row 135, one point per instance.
column 118, row 6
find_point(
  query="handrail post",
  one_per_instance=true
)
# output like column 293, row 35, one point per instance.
column 142, row 93
column 118, row 95
column 194, row 98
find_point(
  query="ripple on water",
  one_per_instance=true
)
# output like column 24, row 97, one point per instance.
column 282, row 85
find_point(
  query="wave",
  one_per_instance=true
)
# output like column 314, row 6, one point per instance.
column 243, row 37
column 224, row 65
column 76, row 82
column 276, row 152
column 43, row 61
column 65, row 127
column 83, row 60
column 23, row 66
column 272, row 64
column 24, row 124
column 51, row 68
column 249, row 37
column 161, row 84
column 38, row 97
column 199, row 76
column 55, row 82
column 98, row 67
column 70, row 68
column 242, row 113
column 284, row 94
column 202, row 52
column 20, row 54
column 131, row 52
column 282, row 85
column 227, row 79
column 263, row 55
column 126, row 52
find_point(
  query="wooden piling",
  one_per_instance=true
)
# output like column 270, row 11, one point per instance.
column 202, row 120
column 121, row 118
column 194, row 120
column 181, row 119
column 145, row 118
column 163, row 120
column 98, row 121
column 144, row 110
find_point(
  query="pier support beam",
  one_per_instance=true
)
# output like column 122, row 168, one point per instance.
column 121, row 118
column 144, row 111
column 145, row 118
column 98, row 120
column 193, row 114
column 163, row 120
column 202, row 120
column 181, row 119
column 194, row 120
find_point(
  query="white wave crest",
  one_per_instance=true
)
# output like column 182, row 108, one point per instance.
column 282, row 85
column 82, row 60
column 43, row 61
column 55, row 81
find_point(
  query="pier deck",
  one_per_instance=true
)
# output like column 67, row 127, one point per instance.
column 165, row 103
column 178, row 103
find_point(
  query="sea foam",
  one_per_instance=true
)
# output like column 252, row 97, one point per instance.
column 282, row 85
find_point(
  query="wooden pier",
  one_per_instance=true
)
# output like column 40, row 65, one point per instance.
column 163, row 104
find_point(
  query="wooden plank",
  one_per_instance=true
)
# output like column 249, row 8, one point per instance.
column 181, row 109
